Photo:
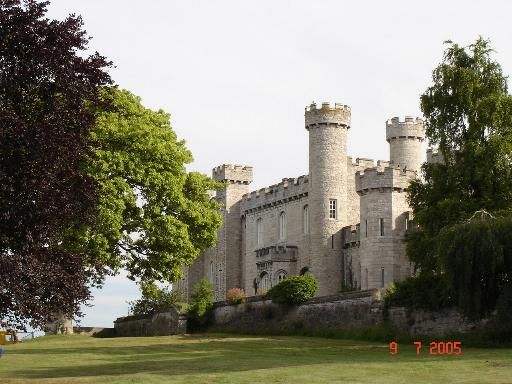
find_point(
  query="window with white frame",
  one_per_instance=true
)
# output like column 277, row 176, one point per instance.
column 332, row 209
column 259, row 231
column 282, row 226
column 305, row 218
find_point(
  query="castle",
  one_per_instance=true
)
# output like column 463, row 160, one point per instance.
column 343, row 223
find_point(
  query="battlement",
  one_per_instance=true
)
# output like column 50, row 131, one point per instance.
column 364, row 163
column 235, row 174
column 287, row 189
column 327, row 115
column 381, row 179
column 434, row 156
column 350, row 236
column 409, row 128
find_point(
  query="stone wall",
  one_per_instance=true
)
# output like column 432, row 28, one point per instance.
column 343, row 311
column 159, row 324
column 352, row 310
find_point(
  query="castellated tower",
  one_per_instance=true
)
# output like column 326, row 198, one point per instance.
column 222, row 265
column 328, row 201
column 405, row 138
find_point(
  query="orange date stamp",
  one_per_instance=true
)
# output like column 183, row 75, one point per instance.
column 434, row 347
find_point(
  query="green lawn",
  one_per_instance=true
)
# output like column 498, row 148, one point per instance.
column 241, row 359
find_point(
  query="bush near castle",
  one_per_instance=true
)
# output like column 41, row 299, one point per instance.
column 294, row 290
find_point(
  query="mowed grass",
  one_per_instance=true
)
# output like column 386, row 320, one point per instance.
column 242, row 359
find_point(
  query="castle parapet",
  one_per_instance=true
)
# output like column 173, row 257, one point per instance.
column 234, row 174
column 434, row 156
column 409, row 128
column 388, row 178
column 350, row 236
column 327, row 115
column 288, row 189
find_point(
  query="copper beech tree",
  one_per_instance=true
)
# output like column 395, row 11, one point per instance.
column 49, row 88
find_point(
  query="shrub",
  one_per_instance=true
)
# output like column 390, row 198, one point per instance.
column 235, row 296
column 422, row 292
column 294, row 290
column 201, row 303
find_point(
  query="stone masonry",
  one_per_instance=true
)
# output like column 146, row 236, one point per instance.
column 343, row 223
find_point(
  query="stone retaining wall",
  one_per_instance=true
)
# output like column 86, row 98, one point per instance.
column 353, row 310
column 166, row 323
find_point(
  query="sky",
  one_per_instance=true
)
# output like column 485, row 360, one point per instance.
column 236, row 75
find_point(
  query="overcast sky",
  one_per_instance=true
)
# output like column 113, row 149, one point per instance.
column 236, row 75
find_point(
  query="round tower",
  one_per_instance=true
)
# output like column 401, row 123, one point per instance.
column 405, row 138
column 328, row 199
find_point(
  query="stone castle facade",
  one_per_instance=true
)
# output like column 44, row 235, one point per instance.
column 343, row 223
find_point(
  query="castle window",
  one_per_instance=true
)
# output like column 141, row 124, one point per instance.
column 282, row 226
column 259, row 231
column 212, row 272
column 366, row 277
column 366, row 228
column 281, row 275
column 381, row 226
column 406, row 223
column 305, row 218
column 332, row 208
column 332, row 241
column 382, row 277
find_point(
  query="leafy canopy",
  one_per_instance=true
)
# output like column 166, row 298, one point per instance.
column 468, row 114
column 153, row 216
column 49, row 88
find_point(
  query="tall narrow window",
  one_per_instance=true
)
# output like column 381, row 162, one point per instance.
column 381, row 226
column 366, row 278
column 332, row 208
column 406, row 223
column 212, row 272
column 259, row 232
column 366, row 228
column 382, row 277
column 332, row 241
column 282, row 226
column 305, row 219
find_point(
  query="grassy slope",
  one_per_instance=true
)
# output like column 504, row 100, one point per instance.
column 237, row 359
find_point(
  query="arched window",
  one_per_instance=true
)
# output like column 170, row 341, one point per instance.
column 305, row 218
column 259, row 231
column 280, row 276
column 282, row 226
column 265, row 284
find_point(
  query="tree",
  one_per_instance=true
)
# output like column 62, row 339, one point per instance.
column 468, row 114
column 200, row 304
column 49, row 90
column 153, row 216
column 156, row 299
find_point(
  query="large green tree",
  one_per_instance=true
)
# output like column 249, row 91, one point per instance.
column 153, row 216
column 468, row 114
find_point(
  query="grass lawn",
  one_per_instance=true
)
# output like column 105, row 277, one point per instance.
column 242, row 359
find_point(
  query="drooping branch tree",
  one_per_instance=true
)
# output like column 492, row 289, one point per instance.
column 49, row 91
column 468, row 114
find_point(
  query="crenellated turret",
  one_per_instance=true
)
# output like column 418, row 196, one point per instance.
column 405, row 138
column 328, row 200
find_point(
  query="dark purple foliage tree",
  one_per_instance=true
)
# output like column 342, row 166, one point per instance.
column 49, row 87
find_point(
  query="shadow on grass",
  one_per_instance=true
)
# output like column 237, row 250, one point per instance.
column 196, row 355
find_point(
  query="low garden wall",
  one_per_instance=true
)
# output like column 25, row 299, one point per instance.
column 171, row 322
column 347, row 311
